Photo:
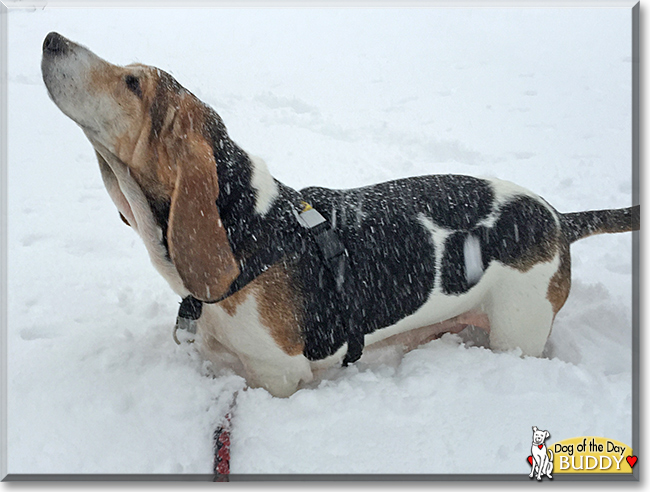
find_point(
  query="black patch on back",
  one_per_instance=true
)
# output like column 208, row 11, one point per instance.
column 391, row 264
column 391, row 254
column 456, row 202
column 454, row 273
column 524, row 234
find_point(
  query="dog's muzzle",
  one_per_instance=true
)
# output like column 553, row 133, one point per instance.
column 55, row 44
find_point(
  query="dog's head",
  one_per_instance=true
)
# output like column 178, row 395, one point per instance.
column 539, row 436
column 152, row 137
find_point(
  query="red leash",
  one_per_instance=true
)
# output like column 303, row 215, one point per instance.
column 221, row 446
column 221, row 465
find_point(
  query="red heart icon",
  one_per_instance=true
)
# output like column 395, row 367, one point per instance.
column 540, row 446
column 530, row 460
column 631, row 460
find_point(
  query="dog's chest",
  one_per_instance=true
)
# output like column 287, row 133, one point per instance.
column 240, row 330
column 236, row 327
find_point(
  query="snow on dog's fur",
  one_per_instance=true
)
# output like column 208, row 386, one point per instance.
column 424, row 256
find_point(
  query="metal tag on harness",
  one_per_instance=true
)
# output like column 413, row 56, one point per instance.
column 326, row 239
column 310, row 217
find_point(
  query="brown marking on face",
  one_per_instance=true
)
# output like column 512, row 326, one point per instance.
column 165, row 100
column 560, row 284
column 158, row 132
column 143, row 135
column 110, row 85
column 154, row 159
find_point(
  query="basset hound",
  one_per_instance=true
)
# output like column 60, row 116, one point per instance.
column 294, row 281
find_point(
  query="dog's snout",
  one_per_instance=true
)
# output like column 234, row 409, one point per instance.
column 55, row 43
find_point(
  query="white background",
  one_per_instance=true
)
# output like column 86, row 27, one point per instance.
column 341, row 99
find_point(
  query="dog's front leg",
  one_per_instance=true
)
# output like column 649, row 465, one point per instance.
column 532, row 471
column 549, row 468
column 533, row 465
column 541, row 467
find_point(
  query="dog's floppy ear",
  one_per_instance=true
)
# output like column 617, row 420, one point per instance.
column 547, row 434
column 198, row 244
column 534, row 428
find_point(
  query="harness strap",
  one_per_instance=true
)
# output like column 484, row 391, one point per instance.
column 333, row 253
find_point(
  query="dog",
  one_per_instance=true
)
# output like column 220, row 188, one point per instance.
column 541, row 464
column 292, row 282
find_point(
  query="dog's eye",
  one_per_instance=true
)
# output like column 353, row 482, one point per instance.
column 133, row 83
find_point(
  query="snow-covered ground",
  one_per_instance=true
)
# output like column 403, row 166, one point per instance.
column 338, row 98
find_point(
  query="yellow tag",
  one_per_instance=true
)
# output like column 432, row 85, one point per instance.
column 305, row 206
column 591, row 455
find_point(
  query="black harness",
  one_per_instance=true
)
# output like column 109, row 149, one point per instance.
column 332, row 253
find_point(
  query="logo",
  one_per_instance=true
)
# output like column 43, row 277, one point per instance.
column 578, row 455
column 541, row 459
column 593, row 455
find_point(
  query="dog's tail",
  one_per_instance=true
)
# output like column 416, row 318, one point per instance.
column 579, row 225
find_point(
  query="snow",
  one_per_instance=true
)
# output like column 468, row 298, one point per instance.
column 339, row 98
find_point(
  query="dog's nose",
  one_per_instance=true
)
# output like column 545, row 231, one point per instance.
column 55, row 43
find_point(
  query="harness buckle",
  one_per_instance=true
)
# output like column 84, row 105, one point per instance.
column 184, row 329
column 187, row 321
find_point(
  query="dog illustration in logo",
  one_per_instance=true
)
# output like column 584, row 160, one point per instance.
column 541, row 462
